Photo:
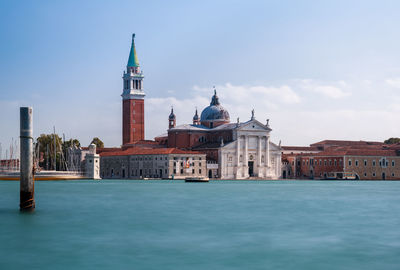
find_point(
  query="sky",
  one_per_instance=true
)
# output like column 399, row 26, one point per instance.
column 317, row 69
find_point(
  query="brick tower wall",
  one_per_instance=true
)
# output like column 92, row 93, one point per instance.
column 132, row 120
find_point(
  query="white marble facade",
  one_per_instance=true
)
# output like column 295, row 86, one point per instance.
column 251, row 154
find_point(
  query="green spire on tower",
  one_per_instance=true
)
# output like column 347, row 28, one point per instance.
column 133, row 60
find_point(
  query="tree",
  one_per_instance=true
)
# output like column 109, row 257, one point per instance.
column 45, row 147
column 71, row 142
column 97, row 142
column 392, row 141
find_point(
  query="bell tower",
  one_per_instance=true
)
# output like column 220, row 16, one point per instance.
column 132, row 100
column 171, row 119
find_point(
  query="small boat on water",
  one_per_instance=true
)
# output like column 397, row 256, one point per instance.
column 196, row 180
column 341, row 176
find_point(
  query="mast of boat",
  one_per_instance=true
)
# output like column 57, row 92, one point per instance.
column 55, row 149
column 47, row 157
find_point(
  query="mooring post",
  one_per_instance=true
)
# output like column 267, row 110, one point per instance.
column 27, row 189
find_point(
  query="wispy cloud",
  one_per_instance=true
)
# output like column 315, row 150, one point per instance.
column 335, row 90
column 393, row 82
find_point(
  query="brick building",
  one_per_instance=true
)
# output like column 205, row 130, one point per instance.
column 344, row 159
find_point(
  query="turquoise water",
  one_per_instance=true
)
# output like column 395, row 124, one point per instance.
column 217, row 225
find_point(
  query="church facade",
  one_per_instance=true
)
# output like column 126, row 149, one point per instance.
column 241, row 150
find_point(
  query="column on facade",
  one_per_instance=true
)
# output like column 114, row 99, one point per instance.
column 223, row 164
column 246, row 150
column 267, row 149
column 237, row 156
column 259, row 154
column 238, row 151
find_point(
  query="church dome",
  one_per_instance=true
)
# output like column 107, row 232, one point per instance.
column 214, row 112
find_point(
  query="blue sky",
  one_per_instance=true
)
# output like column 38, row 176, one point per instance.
column 317, row 69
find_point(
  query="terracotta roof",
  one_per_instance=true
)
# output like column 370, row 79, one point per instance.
column 370, row 152
column 299, row 148
column 147, row 151
column 210, row 145
column 353, row 152
column 345, row 143
column 107, row 149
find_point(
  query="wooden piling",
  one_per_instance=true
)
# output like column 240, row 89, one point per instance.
column 27, row 189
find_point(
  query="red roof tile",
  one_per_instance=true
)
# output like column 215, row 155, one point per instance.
column 345, row 143
column 148, row 151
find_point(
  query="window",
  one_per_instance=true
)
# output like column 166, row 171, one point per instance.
column 335, row 162
column 320, row 162
column 392, row 174
column 373, row 174
column 192, row 171
column 349, row 162
column 330, row 162
column 199, row 171
column 392, row 163
column 325, row 162
column 356, row 163
column 174, row 171
column 199, row 163
column 365, row 174
column 365, row 163
column 181, row 171
column 374, row 163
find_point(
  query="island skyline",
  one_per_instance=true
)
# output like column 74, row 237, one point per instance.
column 314, row 81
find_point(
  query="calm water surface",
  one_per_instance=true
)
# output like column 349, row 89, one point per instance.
column 218, row 225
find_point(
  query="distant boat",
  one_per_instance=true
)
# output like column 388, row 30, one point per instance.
column 341, row 176
column 196, row 179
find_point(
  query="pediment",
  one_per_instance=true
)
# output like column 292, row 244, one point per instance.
column 253, row 125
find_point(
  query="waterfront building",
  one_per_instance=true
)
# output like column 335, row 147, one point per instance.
column 165, row 163
column 241, row 150
column 340, row 159
column 92, row 163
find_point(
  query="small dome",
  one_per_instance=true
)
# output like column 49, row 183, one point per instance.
column 215, row 112
column 196, row 116
column 172, row 115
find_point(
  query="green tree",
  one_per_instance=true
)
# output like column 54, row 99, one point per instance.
column 71, row 142
column 45, row 147
column 392, row 141
column 97, row 142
